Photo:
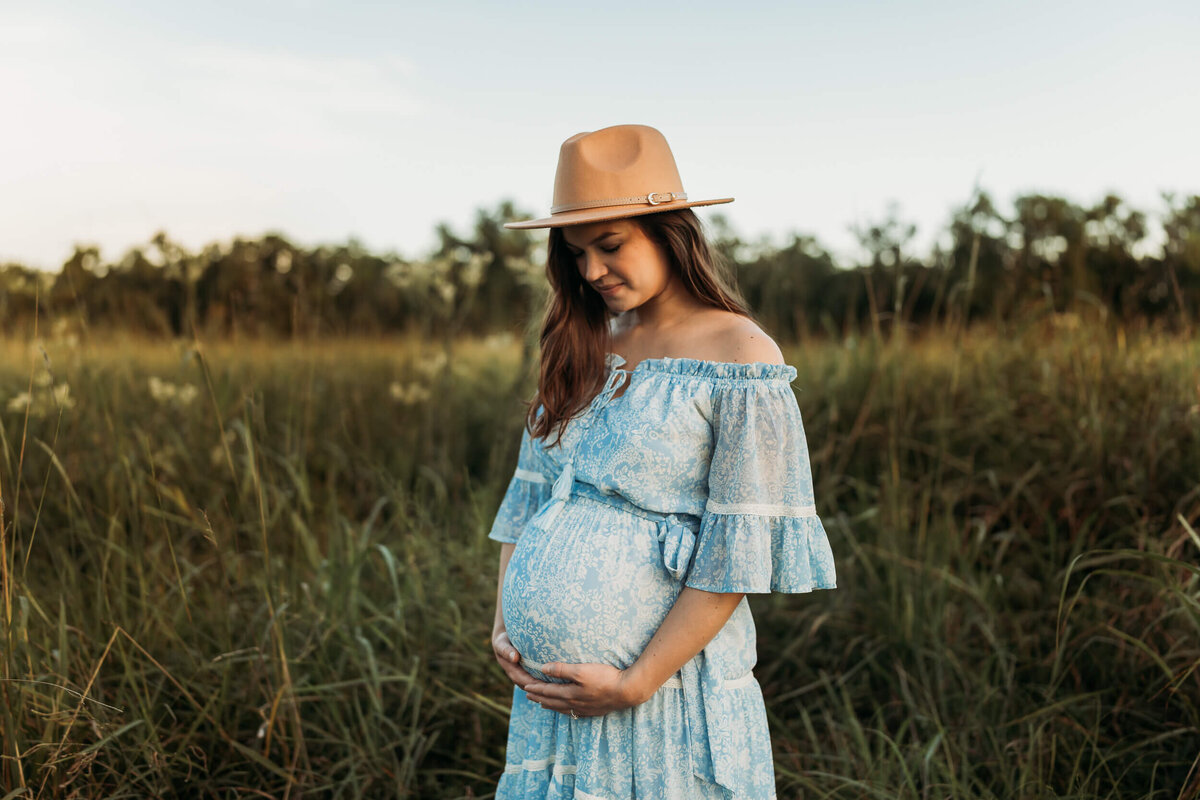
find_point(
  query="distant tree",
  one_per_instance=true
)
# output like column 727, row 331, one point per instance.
column 1112, row 233
column 1181, row 253
column 978, row 269
column 790, row 287
column 1052, row 255
column 888, row 267
column 506, row 254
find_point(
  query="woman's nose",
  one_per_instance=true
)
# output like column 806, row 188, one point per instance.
column 592, row 268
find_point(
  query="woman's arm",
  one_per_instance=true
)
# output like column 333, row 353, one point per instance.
column 507, row 655
column 597, row 689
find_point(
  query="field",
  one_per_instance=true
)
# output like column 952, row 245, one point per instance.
column 261, row 570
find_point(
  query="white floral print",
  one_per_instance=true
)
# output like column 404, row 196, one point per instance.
column 698, row 475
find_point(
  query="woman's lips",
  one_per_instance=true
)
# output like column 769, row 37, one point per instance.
column 609, row 290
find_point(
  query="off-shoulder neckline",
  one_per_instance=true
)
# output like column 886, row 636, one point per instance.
column 702, row 368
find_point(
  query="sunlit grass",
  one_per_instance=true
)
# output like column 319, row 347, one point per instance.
column 283, row 585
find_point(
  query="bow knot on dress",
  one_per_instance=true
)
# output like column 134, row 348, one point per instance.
column 678, row 539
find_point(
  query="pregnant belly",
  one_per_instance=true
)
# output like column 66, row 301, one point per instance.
column 590, row 587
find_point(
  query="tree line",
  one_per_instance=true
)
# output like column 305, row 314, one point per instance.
column 1049, row 255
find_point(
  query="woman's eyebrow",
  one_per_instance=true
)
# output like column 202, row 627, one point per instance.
column 604, row 235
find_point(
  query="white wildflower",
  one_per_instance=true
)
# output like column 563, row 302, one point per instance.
column 161, row 390
column 498, row 341
column 409, row 394
column 20, row 402
column 433, row 364
column 167, row 392
column 62, row 396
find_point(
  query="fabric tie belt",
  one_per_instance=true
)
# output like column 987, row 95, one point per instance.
column 676, row 533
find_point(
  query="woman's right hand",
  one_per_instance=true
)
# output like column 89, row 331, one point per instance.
column 509, row 659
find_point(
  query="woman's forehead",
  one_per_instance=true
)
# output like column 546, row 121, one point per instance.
column 586, row 234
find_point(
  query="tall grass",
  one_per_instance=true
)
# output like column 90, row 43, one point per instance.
column 277, row 583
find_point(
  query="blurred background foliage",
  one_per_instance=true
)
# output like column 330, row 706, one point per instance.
column 1050, row 255
column 253, row 563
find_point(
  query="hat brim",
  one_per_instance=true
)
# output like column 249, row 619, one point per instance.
column 603, row 213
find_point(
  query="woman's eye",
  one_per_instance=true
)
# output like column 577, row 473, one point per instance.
column 611, row 249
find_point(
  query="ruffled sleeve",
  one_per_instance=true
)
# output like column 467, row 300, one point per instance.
column 527, row 492
column 760, row 531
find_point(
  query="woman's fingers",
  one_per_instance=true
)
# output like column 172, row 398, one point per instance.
column 516, row 674
column 509, row 660
column 582, row 708
column 513, row 673
column 560, row 670
column 563, row 692
column 503, row 647
column 559, row 704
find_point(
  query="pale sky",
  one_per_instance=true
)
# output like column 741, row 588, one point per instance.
column 324, row 120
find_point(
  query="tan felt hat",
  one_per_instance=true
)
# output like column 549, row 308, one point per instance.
column 622, row 171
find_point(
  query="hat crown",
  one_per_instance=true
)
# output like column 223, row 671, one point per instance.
column 613, row 173
column 614, row 163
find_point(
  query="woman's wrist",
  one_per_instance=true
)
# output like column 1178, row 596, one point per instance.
column 691, row 624
column 636, row 687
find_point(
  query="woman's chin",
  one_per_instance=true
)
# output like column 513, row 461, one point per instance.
column 619, row 302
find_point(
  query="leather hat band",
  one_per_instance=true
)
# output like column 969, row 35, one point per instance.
column 653, row 198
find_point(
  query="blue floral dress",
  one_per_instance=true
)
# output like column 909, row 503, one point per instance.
column 697, row 475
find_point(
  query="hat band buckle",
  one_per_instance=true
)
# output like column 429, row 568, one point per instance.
column 652, row 198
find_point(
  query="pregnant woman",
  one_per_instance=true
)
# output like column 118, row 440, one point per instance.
column 663, row 474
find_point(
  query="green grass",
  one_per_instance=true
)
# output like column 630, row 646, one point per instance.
column 282, row 587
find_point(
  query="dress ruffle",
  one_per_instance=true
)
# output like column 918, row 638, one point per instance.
column 625, row 754
column 698, row 368
column 524, row 496
column 756, row 553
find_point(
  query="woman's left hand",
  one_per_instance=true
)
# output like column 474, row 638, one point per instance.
column 594, row 690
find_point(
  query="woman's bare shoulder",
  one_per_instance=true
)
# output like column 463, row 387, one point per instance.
column 737, row 339
column 712, row 334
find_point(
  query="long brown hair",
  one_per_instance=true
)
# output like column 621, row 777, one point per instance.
column 575, row 338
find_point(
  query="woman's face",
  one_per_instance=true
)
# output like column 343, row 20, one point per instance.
column 619, row 261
